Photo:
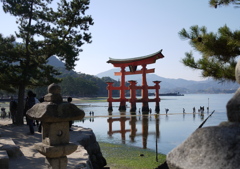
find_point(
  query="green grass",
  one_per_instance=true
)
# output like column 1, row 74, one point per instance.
column 126, row 157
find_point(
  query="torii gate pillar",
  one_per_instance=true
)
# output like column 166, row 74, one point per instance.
column 145, row 107
column 122, row 105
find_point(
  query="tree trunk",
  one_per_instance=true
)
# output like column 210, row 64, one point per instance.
column 21, row 104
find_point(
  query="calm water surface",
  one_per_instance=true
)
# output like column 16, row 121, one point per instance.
column 148, row 131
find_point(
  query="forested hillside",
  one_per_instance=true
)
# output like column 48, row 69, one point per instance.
column 73, row 84
column 80, row 85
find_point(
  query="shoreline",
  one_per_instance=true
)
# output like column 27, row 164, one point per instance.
column 33, row 159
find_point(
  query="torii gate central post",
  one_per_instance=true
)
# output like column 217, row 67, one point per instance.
column 132, row 63
column 145, row 107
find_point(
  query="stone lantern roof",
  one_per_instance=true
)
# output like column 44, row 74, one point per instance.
column 53, row 109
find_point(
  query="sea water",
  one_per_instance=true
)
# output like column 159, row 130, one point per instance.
column 161, row 132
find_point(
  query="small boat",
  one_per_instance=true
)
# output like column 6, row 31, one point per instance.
column 171, row 94
column 166, row 94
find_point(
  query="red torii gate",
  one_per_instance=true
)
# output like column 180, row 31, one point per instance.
column 132, row 63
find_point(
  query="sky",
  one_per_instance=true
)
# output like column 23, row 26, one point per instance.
column 133, row 28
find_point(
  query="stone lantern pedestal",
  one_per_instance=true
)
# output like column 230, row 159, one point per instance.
column 55, row 116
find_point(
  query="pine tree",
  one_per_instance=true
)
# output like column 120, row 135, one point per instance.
column 218, row 50
column 217, row 3
column 44, row 29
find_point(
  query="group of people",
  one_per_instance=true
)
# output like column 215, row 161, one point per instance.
column 200, row 110
column 30, row 101
column 91, row 113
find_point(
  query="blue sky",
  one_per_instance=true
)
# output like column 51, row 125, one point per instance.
column 133, row 28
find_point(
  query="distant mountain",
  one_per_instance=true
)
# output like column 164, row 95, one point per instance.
column 167, row 84
column 53, row 61
column 178, row 85
column 60, row 66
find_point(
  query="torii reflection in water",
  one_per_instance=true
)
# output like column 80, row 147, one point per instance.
column 123, row 118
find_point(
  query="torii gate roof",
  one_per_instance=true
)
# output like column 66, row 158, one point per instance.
column 149, row 59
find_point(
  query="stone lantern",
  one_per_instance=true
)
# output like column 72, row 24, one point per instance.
column 55, row 116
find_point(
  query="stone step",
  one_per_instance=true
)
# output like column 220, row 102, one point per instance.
column 4, row 159
column 10, row 147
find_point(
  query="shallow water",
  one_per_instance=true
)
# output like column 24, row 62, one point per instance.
column 150, row 131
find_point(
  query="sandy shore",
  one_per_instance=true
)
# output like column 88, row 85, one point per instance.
column 32, row 158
